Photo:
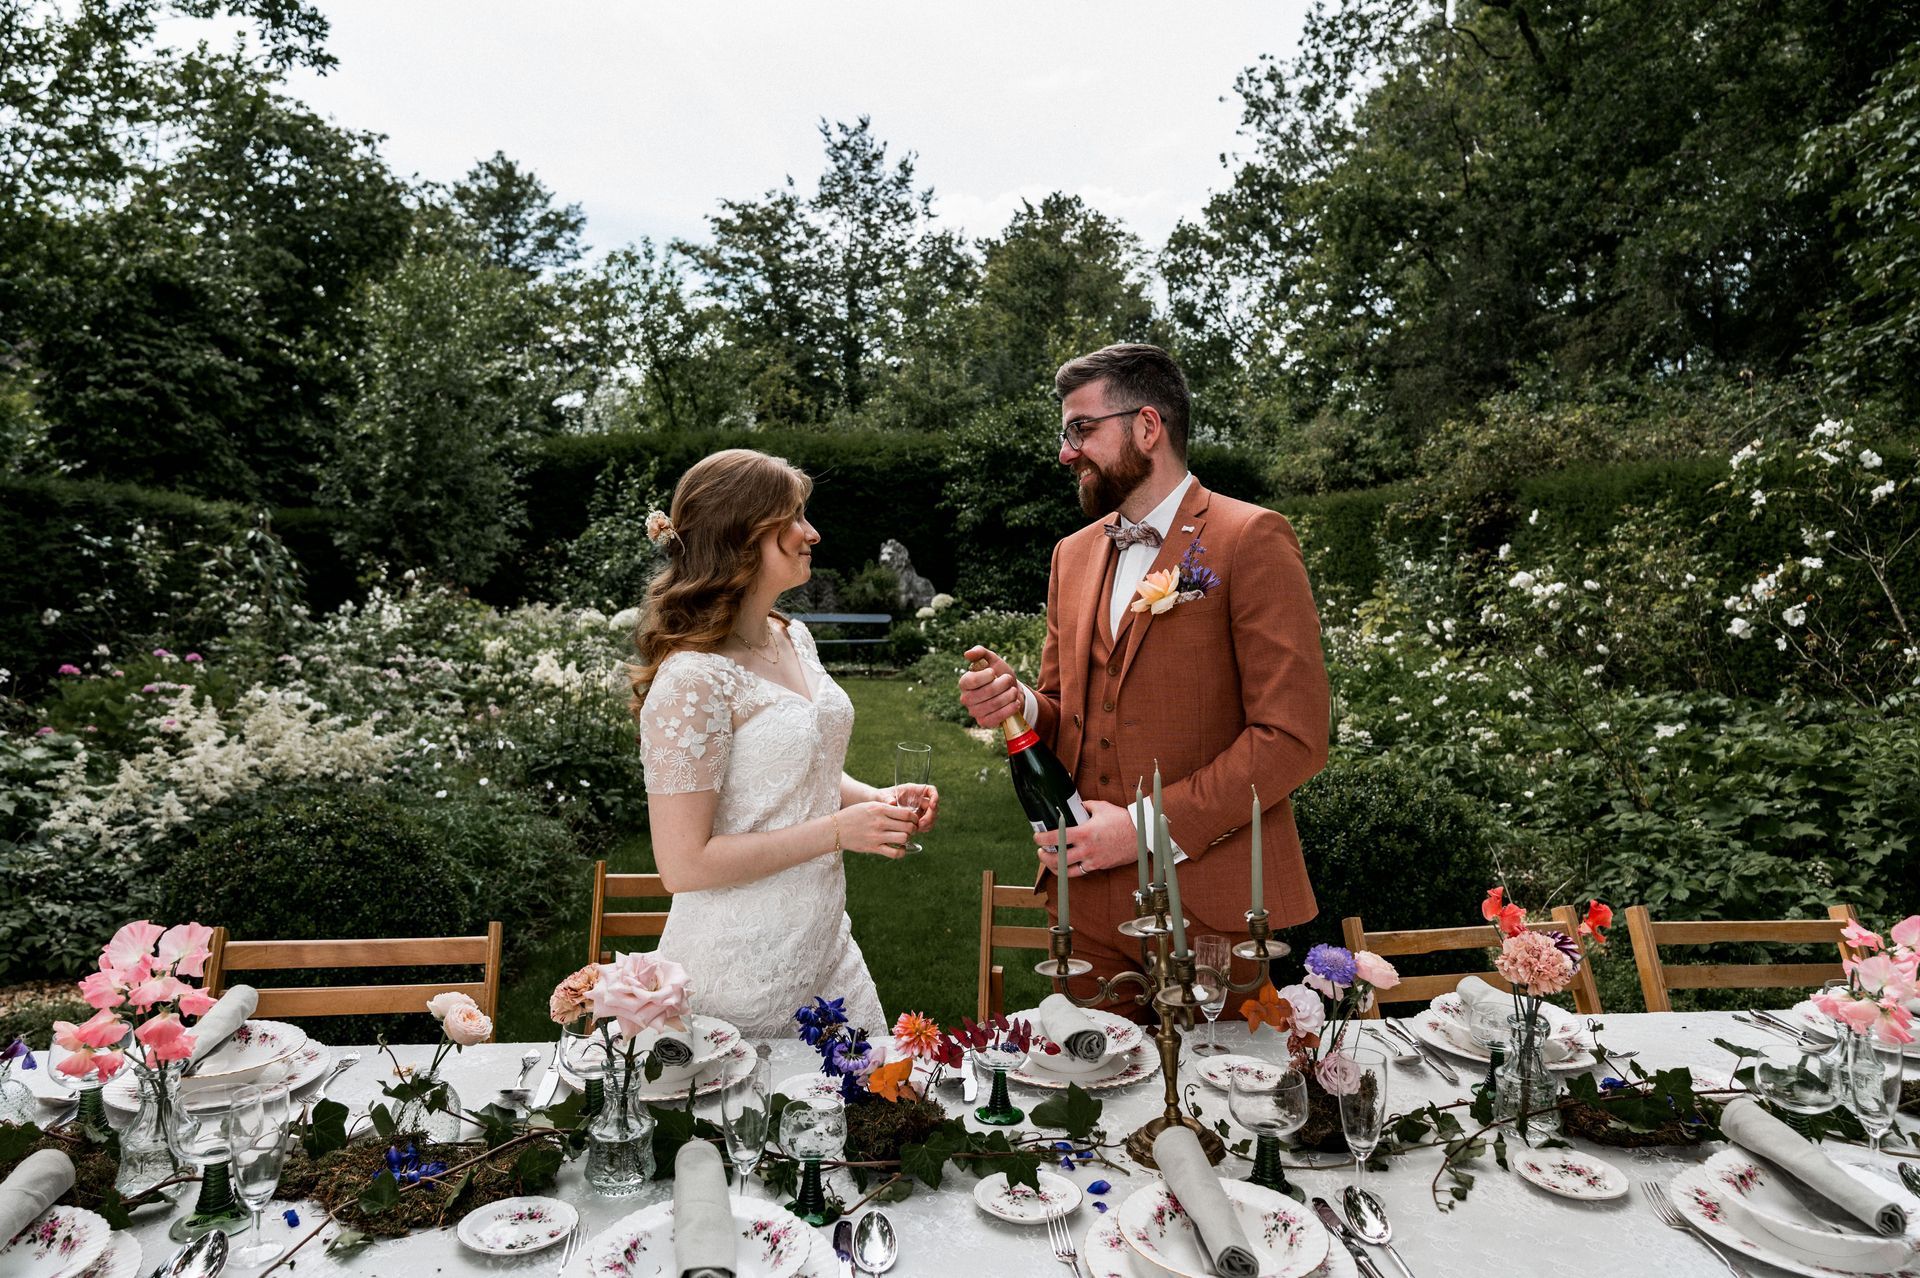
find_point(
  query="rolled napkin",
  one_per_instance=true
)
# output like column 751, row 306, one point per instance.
column 1072, row 1028
column 704, row 1238
column 1748, row 1125
column 33, row 1186
column 1177, row 1152
column 220, row 1022
column 1481, row 998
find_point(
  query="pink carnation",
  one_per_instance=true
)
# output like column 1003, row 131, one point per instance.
column 569, row 1000
column 1531, row 961
column 642, row 992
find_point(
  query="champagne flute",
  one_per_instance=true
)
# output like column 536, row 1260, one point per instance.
column 1214, row 952
column 1873, row 1087
column 912, row 765
column 1269, row 1100
column 1363, row 1110
column 256, row 1131
column 743, row 1116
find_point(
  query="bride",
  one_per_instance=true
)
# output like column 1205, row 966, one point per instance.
column 743, row 737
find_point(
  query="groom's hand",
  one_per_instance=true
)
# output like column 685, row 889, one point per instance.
column 989, row 695
column 1101, row 843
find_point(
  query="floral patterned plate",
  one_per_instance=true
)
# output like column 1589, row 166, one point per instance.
column 1217, row 1071
column 1023, row 1206
column 1444, row 1025
column 516, row 1226
column 1706, row 1197
column 64, row 1242
column 711, row 1039
column 1570, row 1174
column 253, row 1047
column 306, row 1066
column 121, row 1259
column 774, row 1243
column 1122, row 1034
column 1286, row 1239
column 1120, row 1071
column 1105, row 1254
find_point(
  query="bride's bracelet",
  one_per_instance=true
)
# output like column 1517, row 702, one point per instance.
column 836, row 833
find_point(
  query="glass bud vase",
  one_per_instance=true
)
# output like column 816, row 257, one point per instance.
column 146, row 1160
column 1523, row 1087
column 440, row 1126
column 620, row 1141
column 16, row 1100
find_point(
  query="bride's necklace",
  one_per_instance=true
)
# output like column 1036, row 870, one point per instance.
column 761, row 650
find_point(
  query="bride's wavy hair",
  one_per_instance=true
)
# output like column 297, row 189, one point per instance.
column 722, row 508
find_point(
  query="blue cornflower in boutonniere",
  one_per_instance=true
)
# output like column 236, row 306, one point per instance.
column 1159, row 591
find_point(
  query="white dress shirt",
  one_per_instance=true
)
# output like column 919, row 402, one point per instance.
column 1134, row 562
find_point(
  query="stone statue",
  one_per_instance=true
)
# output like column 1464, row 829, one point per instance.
column 915, row 592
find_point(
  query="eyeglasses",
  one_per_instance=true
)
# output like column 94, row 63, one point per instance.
column 1074, row 434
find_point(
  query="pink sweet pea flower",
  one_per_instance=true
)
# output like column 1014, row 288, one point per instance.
column 75, row 1064
column 196, row 1003
column 1858, row 1014
column 1859, row 938
column 158, row 1030
column 1906, row 933
column 68, row 668
column 132, row 946
column 102, row 1030
column 101, row 991
column 158, row 989
column 108, row 1064
column 1896, row 1022
column 1876, row 973
column 184, row 947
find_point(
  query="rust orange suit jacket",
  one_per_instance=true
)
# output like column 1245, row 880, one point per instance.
column 1227, row 693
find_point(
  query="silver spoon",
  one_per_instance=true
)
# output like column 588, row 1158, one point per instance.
column 204, row 1257
column 518, row 1093
column 1369, row 1220
column 874, row 1245
column 1910, row 1178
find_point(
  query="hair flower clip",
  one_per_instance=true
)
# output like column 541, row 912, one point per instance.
column 660, row 528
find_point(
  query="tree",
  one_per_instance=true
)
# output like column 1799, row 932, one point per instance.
column 513, row 222
column 663, row 355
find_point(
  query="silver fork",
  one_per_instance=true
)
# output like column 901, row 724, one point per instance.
column 570, row 1249
column 1060, row 1234
column 1656, row 1196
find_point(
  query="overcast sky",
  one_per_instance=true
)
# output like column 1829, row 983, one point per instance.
column 648, row 114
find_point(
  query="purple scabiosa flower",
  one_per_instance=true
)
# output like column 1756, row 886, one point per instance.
column 1330, row 969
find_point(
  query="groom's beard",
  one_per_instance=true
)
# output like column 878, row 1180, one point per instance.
column 1110, row 486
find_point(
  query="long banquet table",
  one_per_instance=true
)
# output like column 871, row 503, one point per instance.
column 1505, row 1225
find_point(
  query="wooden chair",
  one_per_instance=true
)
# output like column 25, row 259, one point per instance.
column 1657, row 979
column 622, row 887
column 1001, row 896
column 292, row 1002
column 1585, row 990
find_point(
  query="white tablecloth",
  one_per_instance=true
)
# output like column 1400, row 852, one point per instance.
column 1506, row 1225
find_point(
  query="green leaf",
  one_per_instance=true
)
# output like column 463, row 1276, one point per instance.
column 383, row 1194
column 498, row 1124
column 346, row 1242
column 672, row 1128
column 536, row 1167
column 382, row 1121
column 326, row 1129
column 113, row 1209
column 1022, row 1169
column 16, row 1141
column 1075, row 1112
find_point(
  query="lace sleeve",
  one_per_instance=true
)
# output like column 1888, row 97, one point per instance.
column 686, row 725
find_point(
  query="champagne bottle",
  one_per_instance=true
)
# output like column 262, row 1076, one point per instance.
column 1043, row 784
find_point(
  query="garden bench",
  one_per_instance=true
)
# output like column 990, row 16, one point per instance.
column 843, row 619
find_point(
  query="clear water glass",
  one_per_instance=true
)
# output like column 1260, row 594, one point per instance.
column 912, row 765
column 1873, row 1087
column 196, row 1125
column 256, row 1132
column 1363, row 1111
column 743, row 1117
column 1214, row 952
column 1801, row 1080
column 814, row 1127
column 1269, row 1099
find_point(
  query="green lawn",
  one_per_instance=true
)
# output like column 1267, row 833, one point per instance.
column 917, row 920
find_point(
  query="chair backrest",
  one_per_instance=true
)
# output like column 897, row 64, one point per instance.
column 993, row 935
column 293, row 1002
column 627, row 923
column 1485, row 936
column 1657, row 979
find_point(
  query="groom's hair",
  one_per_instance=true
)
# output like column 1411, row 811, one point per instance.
column 1138, row 374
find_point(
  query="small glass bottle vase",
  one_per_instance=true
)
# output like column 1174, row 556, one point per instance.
column 620, row 1140
column 146, row 1160
column 441, row 1126
column 1524, row 1091
column 16, row 1099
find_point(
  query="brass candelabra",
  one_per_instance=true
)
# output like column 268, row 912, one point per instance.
column 1166, row 981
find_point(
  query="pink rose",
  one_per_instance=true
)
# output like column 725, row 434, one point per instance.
column 444, row 1004
column 467, row 1025
column 1309, row 1013
column 642, row 992
column 101, row 992
column 185, row 948
column 1374, row 970
column 1339, row 1074
column 196, row 1003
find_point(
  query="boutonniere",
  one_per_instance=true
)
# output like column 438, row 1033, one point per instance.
column 1160, row 591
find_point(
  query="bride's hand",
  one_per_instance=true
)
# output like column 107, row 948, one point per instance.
column 878, row 827
column 924, row 799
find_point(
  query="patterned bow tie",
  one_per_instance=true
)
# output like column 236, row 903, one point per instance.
column 1133, row 535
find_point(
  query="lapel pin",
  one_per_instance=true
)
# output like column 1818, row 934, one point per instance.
column 1186, row 527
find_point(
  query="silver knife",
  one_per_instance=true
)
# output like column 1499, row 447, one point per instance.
column 969, row 1082
column 843, row 1246
column 1338, row 1228
column 1788, row 1027
column 543, row 1095
column 1426, row 1053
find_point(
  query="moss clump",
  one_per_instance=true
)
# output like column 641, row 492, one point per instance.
column 336, row 1179
column 878, row 1130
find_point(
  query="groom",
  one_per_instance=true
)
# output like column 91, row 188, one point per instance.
column 1219, row 679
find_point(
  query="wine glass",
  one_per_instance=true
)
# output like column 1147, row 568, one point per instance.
column 1872, row 1087
column 1801, row 1080
column 255, row 1128
column 1270, row 1101
column 1363, row 1110
column 743, row 1116
column 1213, row 952
column 197, row 1135
column 912, row 765
column 813, row 1128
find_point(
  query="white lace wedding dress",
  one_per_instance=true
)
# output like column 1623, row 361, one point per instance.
column 756, row 952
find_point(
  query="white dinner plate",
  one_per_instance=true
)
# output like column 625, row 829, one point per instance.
column 714, row 1077
column 307, row 1065
column 1443, row 1025
column 1121, row 1071
column 517, row 1226
column 1813, row 1018
column 1122, row 1034
column 1772, row 1213
column 1020, row 1205
column 1285, row 1237
column 1570, row 1174
column 1702, row 1197
column 62, row 1242
column 1105, row 1254
column 773, row 1243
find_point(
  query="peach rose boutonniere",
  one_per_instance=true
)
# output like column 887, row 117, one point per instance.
column 1159, row 591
